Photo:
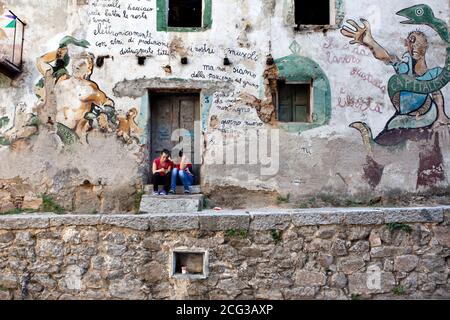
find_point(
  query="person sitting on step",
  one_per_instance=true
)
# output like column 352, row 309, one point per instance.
column 161, row 169
column 183, row 170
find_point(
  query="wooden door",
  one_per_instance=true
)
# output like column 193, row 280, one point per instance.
column 171, row 112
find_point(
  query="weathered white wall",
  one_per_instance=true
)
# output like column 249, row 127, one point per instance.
column 329, row 159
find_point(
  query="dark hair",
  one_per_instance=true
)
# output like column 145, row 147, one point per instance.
column 165, row 151
column 181, row 153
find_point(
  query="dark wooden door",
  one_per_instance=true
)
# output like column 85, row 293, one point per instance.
column 170, row 112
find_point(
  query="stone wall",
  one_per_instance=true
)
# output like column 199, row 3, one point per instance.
column 302, row 254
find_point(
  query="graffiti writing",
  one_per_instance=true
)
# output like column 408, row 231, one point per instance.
column 362, row 104
column 342, row 59
column 240, row 76
column 366, row 76
column 331, row 44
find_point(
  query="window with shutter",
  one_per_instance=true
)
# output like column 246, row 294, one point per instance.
column 294, row 102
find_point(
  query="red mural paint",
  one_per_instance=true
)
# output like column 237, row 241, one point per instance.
column 373, row 172
column 431, row 165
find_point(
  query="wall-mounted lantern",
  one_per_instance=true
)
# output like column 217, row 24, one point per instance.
column 11, row 44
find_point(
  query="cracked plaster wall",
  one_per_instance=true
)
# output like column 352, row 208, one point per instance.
column 330, row 158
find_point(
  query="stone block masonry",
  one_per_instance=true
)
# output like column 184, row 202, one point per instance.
column 285, row 254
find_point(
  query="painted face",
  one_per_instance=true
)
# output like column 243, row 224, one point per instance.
column 82, row 67
column 417, row 45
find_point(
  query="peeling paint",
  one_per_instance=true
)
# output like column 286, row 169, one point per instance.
column 235, row 62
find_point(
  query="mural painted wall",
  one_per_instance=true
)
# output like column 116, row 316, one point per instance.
column 415, row 92
column 76, row 123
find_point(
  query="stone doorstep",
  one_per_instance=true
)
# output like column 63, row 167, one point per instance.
column 194, row 189
column 179, row 204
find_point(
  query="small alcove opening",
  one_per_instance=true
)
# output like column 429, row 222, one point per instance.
column 190, row 264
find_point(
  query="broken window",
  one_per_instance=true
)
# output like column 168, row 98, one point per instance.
column 11, row 44
column 185, row 13
column 294, row 102
column 317, row 12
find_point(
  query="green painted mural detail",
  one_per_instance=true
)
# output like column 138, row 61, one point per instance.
column 340, row 12
column 3, row 122
column 161, row 19
column 207, row 15
column 67, row 136
column 11, row 25
column 422, row 15
column 296, row 68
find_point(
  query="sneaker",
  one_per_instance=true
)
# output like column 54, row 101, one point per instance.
column 156, row 193
column 163, row 193
column 172, row 191
column 187, row 192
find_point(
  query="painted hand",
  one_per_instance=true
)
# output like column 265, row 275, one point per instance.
column 360, row 35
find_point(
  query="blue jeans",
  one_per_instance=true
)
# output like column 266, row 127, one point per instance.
column 185, row 178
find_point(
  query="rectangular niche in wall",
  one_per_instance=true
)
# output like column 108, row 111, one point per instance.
column 189, row 264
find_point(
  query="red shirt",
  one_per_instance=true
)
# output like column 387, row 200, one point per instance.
column 159, row 166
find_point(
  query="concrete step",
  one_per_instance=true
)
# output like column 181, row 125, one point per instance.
column 172, row 204
column 180, row 189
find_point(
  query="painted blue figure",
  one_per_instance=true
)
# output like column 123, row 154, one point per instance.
column 413, row 64
column 183, row 171
column 418, row 106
